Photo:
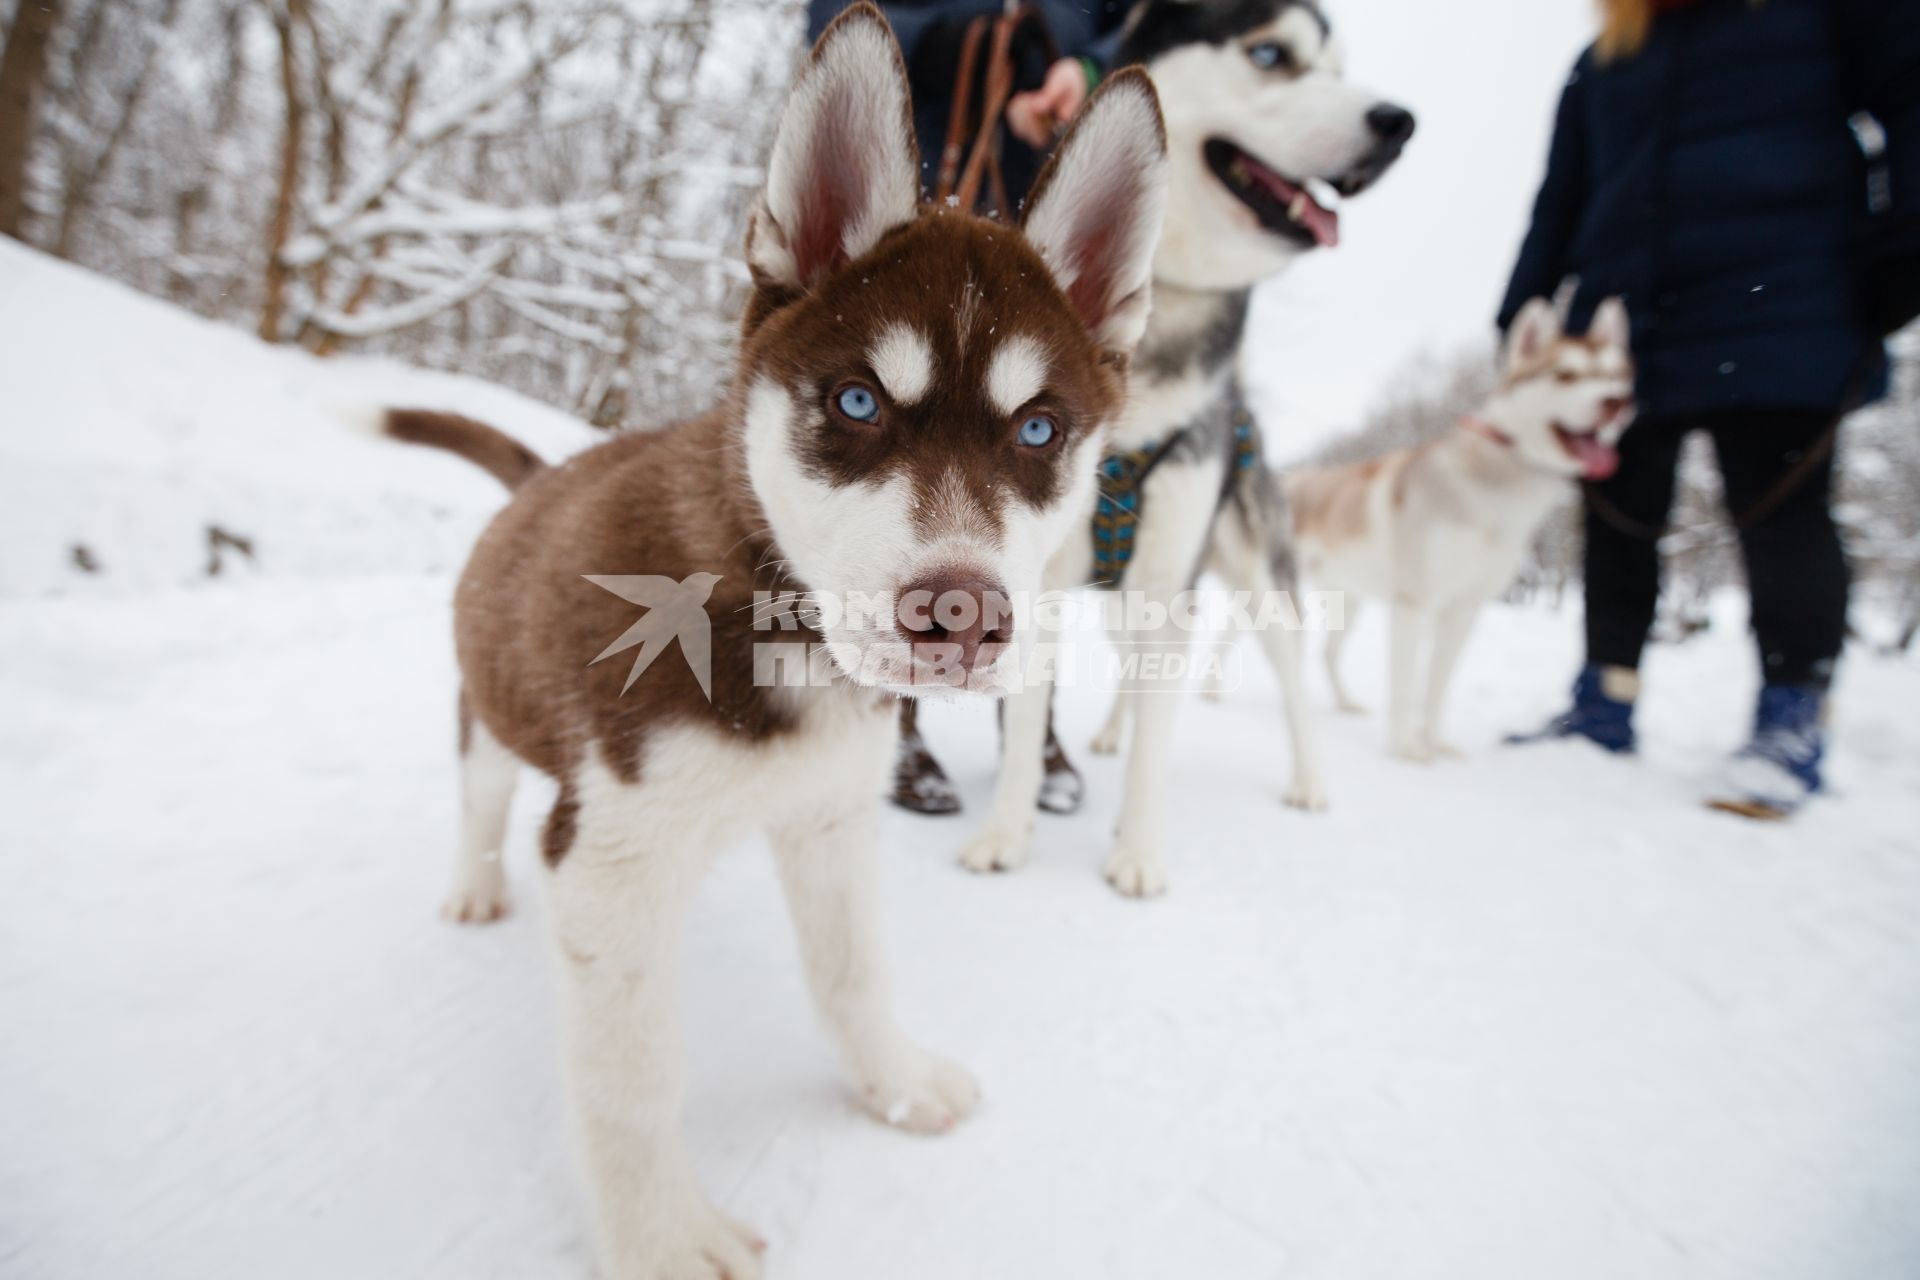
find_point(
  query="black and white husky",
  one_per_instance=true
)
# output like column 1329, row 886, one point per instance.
column 1265, row 138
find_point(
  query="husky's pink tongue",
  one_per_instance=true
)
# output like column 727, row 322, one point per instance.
column 1597, row 460
column 1324, row 224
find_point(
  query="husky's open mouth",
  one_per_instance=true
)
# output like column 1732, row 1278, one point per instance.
column 1597, row 459
column 1302, row 209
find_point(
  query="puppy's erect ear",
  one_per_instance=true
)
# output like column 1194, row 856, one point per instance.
column 1609, row 324
column 1096, row 210
column 845, row 169
column 1536, row 328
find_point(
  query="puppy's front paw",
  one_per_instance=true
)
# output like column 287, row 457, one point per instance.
column 1135, row 874
column 479, row 893
column 1307, row 792
column 709, row 1245
column 995, row 850
column 1110, row 739
column 920, row 1092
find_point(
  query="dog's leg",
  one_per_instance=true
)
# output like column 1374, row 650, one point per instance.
column 1136, row 867
column 619, row 900
column 1308, row 788
column 919, row 783
column 1248, row 565
column 829, row 871
column 1410, row 626
column 1002, row 844
column 1451, row 627
column 1167, row 555
column 1113, row 734
column 488, row 772
column 1336, row 644
column 1061, row 788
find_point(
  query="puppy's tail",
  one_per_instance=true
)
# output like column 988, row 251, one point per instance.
column 489, row 448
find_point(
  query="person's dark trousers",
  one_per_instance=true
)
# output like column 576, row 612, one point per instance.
column 1796, row 570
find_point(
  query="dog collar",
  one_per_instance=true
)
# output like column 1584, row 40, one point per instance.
column 1481, row 427
column 1474, row 424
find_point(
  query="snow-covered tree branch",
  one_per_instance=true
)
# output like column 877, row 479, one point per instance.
column 548, row 195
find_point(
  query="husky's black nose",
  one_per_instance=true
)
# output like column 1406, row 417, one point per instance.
column 949, row 619
column 1393, row 124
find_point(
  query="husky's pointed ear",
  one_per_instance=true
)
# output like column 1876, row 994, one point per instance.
column 1609, row 324
column 1535, row 329
column 845, row 169
column 1096, row 210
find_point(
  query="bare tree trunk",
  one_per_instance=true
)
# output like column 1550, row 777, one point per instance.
column 77, row 199
column 281, row 228
column 23, row 69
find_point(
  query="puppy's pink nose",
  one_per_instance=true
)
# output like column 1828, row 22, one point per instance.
column 951, row 618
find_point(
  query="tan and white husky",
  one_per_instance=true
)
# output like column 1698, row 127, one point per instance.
column 919, row 405
column 1438, row 529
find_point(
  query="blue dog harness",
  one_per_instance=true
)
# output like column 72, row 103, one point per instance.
column 1123, row 476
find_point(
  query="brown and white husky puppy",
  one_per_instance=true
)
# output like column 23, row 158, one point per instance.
column 919, row 405
column 1266, row 137
column 1438, row 529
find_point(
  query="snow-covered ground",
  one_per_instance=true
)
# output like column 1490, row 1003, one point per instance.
column 1527, row 1015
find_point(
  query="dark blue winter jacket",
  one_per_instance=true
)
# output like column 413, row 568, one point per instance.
column 1713, row 179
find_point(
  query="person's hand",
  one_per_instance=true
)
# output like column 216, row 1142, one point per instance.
column 1036, row 115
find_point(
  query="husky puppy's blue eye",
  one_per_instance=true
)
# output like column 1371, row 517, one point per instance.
column 858, row 403
column 1270, row 55
column 1037, row 431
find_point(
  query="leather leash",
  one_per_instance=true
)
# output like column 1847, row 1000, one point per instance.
column 1782, row 489
column 961, row 185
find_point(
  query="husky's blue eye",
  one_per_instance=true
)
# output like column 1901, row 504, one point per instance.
column 1270, row 55
column 858, row 403
column 1036, row 431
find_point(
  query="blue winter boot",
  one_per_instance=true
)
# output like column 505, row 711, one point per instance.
column 1602, row 711
column 1779, row 768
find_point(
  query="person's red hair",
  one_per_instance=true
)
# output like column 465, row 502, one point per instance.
column 1624, row 25
column 1623, row 28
